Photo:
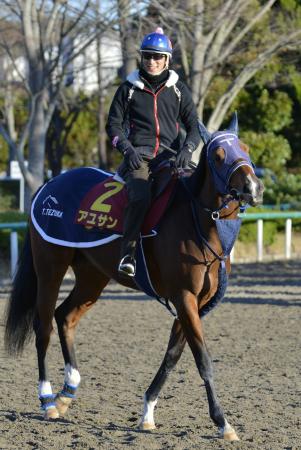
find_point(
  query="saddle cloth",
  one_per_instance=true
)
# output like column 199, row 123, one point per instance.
column 84, row 208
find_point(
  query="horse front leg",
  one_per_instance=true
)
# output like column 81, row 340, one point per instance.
column 173, row 353
column 187, row 308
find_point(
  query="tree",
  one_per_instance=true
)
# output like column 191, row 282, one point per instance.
column 231, row 38
column 63, row 119
column 46, row 32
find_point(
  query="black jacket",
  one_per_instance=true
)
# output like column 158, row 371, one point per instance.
column 143, row 118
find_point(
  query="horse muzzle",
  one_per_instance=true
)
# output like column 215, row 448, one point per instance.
column 251, row 192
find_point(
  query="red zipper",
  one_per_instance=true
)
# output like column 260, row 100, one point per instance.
column 157, row 145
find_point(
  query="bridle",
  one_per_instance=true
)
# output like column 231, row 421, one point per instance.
column 235, row 158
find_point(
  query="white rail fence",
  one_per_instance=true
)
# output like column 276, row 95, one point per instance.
column 258, row 217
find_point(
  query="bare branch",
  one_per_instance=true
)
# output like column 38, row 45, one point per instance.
column 7, row 49
column 238, row 38
column 18, row 150
column 52, row 21
column 29, row 35
column 11, row 8
column 74, row 25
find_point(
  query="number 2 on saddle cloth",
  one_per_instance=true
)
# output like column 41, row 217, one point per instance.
column 103, row 205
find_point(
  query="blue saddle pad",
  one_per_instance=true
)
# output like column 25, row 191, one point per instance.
column 55, row 206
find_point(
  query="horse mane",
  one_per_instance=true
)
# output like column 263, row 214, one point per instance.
column 195, row 182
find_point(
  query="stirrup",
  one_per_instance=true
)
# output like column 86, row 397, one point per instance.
column 127, row 266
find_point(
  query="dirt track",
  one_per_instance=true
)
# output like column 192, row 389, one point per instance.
column 254, row 339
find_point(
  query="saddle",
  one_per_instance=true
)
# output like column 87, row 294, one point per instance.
column 103, row 205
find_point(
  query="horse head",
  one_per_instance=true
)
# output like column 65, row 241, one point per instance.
column 230, row 165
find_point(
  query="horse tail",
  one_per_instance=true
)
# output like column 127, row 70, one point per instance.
column 20, row 311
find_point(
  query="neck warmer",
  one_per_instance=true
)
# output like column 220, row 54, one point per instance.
column 154, row 80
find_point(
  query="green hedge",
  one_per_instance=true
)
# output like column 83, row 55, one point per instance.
column 8, row 217
column 248, row 231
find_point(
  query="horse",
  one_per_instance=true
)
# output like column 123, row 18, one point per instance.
column 187, row 262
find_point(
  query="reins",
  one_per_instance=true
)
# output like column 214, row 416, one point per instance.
column 214, row 215
column 222, row 273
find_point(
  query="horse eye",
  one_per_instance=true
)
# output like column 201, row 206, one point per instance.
column 219, row 155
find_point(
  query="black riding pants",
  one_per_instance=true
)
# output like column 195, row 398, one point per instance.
column 138, row 185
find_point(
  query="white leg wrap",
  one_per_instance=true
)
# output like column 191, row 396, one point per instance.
column 148, row 412
column 72, row 375
column 47, row 400
column 45, row 388
column 67, row 394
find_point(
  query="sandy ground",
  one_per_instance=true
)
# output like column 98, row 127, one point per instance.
column 254, row 339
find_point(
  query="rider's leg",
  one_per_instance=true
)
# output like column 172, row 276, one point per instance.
column 139, row 198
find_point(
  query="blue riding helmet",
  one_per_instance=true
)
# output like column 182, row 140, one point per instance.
column 156, row 42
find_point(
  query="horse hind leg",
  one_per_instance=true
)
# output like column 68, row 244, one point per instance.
column 50, row 264
column 173, row 353
column 48, row 289
column 88, row 287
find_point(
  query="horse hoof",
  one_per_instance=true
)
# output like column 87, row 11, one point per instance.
column 62, row 404
column 228, row 433
column 147, row 426
column 51, row 414
column 231, row 436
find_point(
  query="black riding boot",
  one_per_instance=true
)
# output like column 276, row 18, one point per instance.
column 133, row 220
column 139, row 199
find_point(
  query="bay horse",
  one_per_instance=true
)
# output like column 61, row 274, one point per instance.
column 184, row 260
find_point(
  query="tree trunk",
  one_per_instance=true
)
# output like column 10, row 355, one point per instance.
column 101, row 138
column 129, row 53
column 102, row 148
column 10, row 117
column 36, row 147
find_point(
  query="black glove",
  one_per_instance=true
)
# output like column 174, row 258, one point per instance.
column 184, row 157
column 132, row 159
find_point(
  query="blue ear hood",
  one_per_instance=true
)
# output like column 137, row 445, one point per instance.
column 205, row 135
column 234, row 124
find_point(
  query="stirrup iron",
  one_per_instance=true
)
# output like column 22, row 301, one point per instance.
column 127, row 266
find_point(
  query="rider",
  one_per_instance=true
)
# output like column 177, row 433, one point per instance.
column 145, row 112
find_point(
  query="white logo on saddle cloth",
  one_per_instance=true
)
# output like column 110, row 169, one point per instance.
column 51, row 202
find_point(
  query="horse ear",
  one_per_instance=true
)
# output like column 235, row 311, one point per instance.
column 234, row 123
column 205, row 135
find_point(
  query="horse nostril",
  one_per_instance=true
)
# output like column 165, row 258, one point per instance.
column 234, row 194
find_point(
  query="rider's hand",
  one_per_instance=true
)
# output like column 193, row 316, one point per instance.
column 132, row 159
column 184, row 157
